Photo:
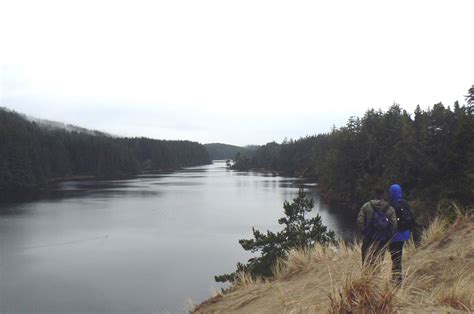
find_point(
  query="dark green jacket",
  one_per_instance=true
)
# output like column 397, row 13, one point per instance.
column 365, row 214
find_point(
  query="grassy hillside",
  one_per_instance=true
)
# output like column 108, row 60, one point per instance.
column 439, row 277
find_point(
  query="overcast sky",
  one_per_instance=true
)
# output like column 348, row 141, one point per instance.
column 239, row 72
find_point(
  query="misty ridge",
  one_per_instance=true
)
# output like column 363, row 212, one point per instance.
column 48, row 124
column 56, row 125
column 36, row 153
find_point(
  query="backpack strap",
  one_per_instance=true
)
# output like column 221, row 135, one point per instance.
column 369, row 219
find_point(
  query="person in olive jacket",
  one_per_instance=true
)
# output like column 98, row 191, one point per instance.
column 378, row 223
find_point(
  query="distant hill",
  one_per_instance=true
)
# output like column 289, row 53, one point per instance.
column 34, row 153
column 226, row 151
column 55, row 125
column 52, row 125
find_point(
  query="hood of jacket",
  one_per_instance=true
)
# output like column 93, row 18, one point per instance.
column 396, row 193
column 379, row 205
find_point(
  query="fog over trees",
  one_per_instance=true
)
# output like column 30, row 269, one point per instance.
column 33, row 154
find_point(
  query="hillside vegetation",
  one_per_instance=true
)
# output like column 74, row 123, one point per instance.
column 438, row 277
column 32, row 154
column 430, row 153
column 225, row 151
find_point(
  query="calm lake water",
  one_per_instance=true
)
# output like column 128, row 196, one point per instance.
column 147, row 244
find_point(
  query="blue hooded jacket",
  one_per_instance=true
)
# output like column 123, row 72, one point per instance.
column 396, row 195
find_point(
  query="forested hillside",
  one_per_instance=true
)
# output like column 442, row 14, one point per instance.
column 226, row 151
column 32, row 155
column 429, row 152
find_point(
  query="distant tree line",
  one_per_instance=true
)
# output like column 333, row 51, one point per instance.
column 431, row 153
column 32, row 155
column 225, row 151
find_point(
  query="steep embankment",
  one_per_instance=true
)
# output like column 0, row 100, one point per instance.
column 439, row 277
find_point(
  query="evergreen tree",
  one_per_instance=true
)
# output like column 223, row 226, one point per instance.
column 430, row 153
column 299, row 232
column 470, row 96
column 32, row 155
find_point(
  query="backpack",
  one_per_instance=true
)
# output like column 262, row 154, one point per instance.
column 379, row 227
column 404, row 216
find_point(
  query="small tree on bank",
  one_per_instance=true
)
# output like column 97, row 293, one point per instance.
column 298, row 232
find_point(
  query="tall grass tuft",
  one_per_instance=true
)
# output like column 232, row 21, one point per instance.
column 366, row 291
column 435, row 231
column 245, row 279
column 459, row 294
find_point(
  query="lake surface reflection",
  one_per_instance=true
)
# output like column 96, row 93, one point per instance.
column 141, row 245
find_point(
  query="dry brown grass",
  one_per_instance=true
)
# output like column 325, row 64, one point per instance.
column 244, row 280
column 459, row 295
column 366, row 291
column 462, row 215
column 438, row 277
column 435, row 231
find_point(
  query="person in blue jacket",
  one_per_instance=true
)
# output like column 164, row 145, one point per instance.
column 405, row 223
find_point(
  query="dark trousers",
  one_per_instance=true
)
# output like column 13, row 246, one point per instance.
column 396, row 250
column 373, row 251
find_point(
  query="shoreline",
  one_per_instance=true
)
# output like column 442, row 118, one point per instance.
column 37, row 188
